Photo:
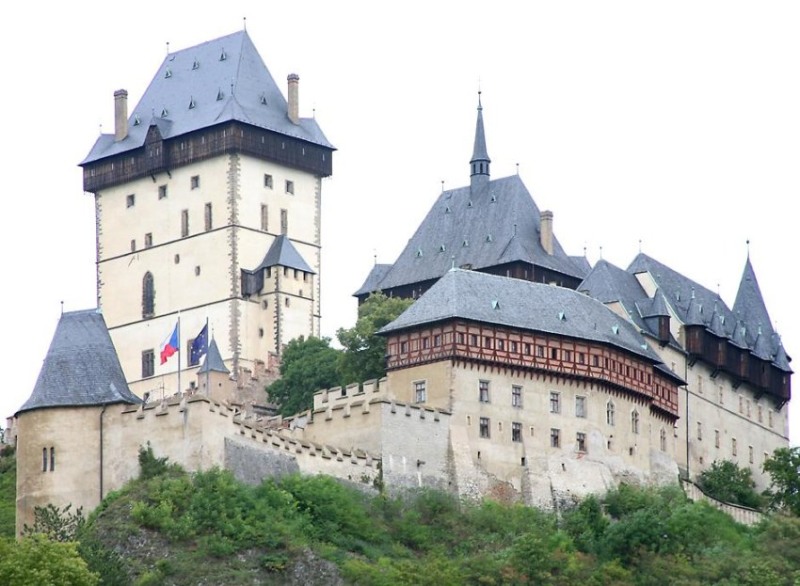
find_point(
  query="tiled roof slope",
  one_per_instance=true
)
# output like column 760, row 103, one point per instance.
column 491, row 224
column 217, row 81
column 282, row 252
column 213, row 361
column 525, row 305
column 81, row 367
column 374, row 278
column 747, row 326
column 610, row 284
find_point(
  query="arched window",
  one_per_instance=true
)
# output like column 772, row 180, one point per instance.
column 148, row 296
column 610, row 412
column 635, row 421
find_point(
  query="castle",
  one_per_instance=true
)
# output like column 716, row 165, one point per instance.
column 519, row 372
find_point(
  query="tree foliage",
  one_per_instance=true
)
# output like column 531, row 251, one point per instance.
column 36, row 560
column 8, row 491
column 364, row 355
column 784, row 470
column 307, row 365
column 56, row 524
column 727, row 482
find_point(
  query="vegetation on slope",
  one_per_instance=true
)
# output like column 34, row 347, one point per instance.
column 170, row 527
column 8, row 490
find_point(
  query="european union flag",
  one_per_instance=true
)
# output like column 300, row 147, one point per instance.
column 199, row 347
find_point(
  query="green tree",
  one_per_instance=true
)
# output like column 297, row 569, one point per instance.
column 35, row 560
column 727, row 482
column 8, row 491
column 364, row 350
column 783, row 468
column 307, row 366
column 56, row 524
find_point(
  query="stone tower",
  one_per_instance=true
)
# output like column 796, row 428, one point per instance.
column 208, row 200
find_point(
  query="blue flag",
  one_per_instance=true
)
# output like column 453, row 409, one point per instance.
column 199, row 347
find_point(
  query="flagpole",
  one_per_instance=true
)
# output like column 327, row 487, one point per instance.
column 208, row 388
column 179, row 354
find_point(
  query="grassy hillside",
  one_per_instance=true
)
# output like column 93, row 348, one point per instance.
column 173, row 528
column 8, row 491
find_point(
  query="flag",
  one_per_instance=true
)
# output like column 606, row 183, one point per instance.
column 199, row 346
column 170, row 345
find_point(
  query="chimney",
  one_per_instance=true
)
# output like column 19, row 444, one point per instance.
column 294, row 97
column 120, row 114
column 546, row 231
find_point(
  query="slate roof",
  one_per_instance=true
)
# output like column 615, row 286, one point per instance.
column 81, row 367
column 490, row 224
column 748, row 325
column 282, row 252
column 213, row 360
column 375, row 276
column 609, row 283
column 217, row 81
column 525, row 305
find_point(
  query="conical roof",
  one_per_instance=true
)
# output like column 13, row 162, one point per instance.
column 81, row 367
column 213, row 360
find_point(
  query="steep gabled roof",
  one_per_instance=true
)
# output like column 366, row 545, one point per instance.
column 217, row 81
column 213, row 360
column 610, row 284
column 747, row 326
column 81, row 367
column 524, row 305
column 481, row 226
column 374, row 278
column 283, row 253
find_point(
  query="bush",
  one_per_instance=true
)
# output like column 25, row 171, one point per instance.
column 727, row 482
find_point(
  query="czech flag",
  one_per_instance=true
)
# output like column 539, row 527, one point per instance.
column 170, row 345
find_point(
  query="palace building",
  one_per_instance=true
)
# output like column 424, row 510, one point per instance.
column 520, row 372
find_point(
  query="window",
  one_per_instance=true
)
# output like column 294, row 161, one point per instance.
column 580, row 406
column 420, row 394
column 184, row 223
column 501, row 345
column 760, row 414
column 473, row 339
column 635, row 421
column 209, row 220
column 133, row 245
column 148, row 363
column 700, row 385
column 516, row 396
column 716, row 438
column 264, row 217
column 483, row 391
column 540, row 351
column 197, row 271
column 130, row 200
column 437, row 340
column 267, row 180
column 162, row 191
column 699, row 430
column 403, row 346
column 284, row 222
column 741, row 404
column 513, row 346
column 750, row 453
column 148, row 240
column 44, row 459
column 555, row 438
column 148, row 296
column 555, row 402
column 194, row 182
column 484, row 427
column 721, row 396
column 748, row 407
column 733, row 446
column 52, row 459
column 595, row 360
column 290, row 186
column 487, row 342
column 663, row 440
column 580, row 437
column 610, row 413
column 769, row 417
column 516, row 432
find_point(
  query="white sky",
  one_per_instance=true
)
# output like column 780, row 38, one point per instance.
column 674, row 123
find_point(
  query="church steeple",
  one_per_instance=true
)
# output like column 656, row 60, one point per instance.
column 479, row 164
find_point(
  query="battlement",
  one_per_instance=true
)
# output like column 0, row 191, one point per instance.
column 352, row 392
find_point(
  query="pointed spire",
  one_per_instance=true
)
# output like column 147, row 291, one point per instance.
column 213, row 360
column 479, row 164
column 749, row 304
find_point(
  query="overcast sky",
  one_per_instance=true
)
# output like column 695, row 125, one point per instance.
column 670, row 126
